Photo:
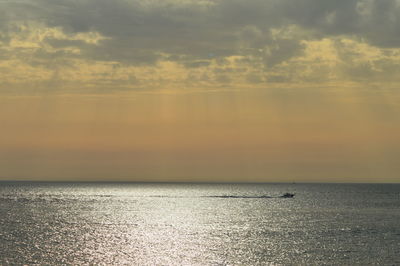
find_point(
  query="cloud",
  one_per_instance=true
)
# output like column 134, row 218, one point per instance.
column 270, row 41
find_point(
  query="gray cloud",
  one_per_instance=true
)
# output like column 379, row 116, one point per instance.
column 139, row 32
column 282, row 50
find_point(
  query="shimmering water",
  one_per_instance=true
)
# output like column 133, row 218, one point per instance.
column 191, row 224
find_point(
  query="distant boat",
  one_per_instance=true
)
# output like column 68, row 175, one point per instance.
column 287, row 195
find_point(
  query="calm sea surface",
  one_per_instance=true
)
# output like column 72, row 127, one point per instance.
column 197, row 224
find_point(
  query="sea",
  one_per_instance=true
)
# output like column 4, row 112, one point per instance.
column 198, row 224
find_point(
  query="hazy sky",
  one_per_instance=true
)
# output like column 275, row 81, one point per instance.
column 200, row 90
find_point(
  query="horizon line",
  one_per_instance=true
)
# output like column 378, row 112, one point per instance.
column 185, row 182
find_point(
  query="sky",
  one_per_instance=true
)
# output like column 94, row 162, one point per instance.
column 200, row 90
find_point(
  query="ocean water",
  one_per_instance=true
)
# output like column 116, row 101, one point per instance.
column 199, row 224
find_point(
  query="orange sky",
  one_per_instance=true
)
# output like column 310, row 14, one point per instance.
column 244, row 91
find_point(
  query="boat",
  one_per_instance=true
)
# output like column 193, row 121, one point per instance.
column 287, row 195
